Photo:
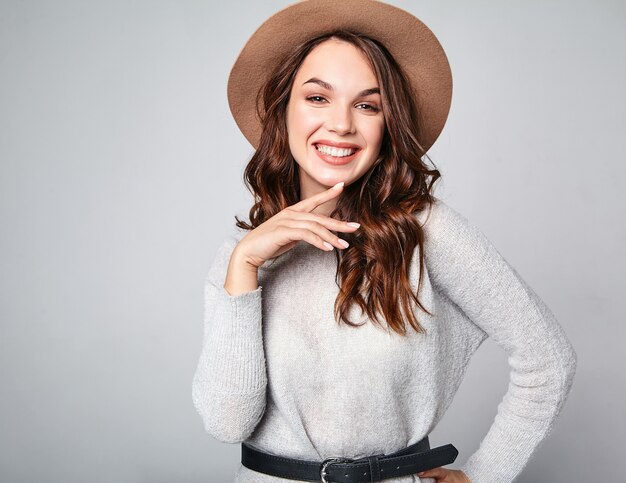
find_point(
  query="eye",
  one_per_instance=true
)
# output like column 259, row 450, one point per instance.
column 316, row 99
column 368, row 107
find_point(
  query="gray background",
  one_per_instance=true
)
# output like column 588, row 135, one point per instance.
column 121, row 172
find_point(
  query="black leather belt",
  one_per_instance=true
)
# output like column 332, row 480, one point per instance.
column 412, row 459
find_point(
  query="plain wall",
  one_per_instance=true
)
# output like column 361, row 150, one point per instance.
column 121, row 172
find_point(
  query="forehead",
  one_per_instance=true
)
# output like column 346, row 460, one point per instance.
column 338, row 61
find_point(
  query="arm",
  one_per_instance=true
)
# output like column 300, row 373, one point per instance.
column 230, row 381
column 476, row 277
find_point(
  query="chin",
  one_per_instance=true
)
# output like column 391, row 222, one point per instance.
column 330, row 182
column 327, row 176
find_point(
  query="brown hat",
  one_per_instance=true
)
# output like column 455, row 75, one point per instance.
column 410, row 41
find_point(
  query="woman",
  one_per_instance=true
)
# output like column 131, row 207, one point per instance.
column 341, row 101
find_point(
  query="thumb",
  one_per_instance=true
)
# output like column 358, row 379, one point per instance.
column 433, row 473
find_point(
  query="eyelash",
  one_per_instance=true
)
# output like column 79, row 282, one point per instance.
column 371, row 107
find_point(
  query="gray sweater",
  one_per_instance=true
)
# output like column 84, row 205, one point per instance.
column 277, row 371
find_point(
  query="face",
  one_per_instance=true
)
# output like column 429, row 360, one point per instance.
column 335, row 122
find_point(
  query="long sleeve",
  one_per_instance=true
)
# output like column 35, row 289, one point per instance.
column 230, row 381
column 471, row 272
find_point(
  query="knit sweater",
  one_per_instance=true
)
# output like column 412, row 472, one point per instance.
column 278, row 372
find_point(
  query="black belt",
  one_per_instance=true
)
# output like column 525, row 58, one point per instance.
column 412, row 459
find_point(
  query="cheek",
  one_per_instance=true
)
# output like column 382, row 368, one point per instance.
column 298, row 132
column 373, row 133
column 302, row 121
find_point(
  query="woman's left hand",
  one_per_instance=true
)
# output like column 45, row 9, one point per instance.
column 442, row 475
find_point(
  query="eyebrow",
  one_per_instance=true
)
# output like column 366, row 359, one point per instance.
column 327, row 86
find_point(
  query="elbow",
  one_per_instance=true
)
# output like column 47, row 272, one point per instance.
column 230, row 418
column 562, row 368
column 570, row 364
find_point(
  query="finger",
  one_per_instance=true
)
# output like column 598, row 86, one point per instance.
column 321, row 231
column 326, row 221
column 312, row 202
column 297, row 234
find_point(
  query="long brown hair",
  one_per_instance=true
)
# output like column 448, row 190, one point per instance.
column 374, row 271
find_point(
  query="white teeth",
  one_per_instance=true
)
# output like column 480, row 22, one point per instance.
column 336, row 152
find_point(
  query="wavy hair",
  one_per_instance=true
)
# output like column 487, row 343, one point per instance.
column 373, row 271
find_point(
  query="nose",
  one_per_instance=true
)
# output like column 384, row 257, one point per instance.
column 340, row 120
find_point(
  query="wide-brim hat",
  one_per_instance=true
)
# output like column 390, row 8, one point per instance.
column 408, row 39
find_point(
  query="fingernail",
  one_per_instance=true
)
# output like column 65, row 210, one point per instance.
column 355, row 225
column 338, row 184
column 344, row 243
column 329, row 246
column 420, row 473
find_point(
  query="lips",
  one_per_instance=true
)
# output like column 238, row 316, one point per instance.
column 336, row 148
column 336, row 144
column 336, row 153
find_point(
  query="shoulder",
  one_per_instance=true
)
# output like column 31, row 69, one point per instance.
column 221, row 256
column 229, row 242
column 452, row 241
column 439, row 219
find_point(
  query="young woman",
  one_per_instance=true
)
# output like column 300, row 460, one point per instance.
column 339, row 322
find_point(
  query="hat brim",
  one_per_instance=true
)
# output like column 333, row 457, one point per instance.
column 409, row 40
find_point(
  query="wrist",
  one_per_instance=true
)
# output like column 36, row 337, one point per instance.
column 242, row 262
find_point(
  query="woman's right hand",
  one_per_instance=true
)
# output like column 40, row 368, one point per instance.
column 296, row 222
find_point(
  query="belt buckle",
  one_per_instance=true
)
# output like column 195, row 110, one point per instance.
column 330, row 461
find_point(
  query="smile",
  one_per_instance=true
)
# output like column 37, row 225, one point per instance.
column 339, row 155
column 335, row 152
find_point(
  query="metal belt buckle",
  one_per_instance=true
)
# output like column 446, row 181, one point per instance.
column 329, row 461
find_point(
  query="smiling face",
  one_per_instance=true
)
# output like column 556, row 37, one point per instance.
column 335, row 122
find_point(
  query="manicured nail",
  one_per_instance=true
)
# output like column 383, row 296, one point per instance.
column 355, row 225
column 329, row 246
column 344, row 243
column 338, row 184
